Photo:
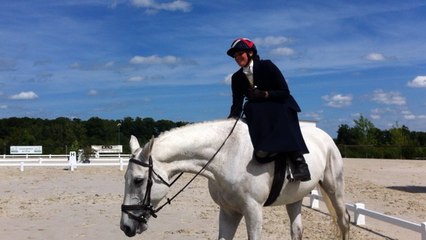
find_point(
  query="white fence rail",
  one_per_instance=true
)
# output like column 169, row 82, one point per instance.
column 24, row 161
column 360, row 212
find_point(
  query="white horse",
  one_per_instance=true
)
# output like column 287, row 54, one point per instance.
column 237, row 183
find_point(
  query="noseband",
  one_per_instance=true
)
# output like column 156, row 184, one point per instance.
column 146, row 205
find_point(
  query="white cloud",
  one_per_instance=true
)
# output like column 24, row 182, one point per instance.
column 316, row 116
column 153, row 6
column 283, row 51
column 24, row 96
column 376, row 113
column 376, row 57
column 92, row 66
column 3, row 106
column 418, row 82
column 92, row 93
column 109, row 64
column 75, row 65
column 154, row 59
column 338, row 100
column 375, row 116
column 271, row 41
column 277, row 43
column 409, row 116
column 136, row 79
column 389, row 98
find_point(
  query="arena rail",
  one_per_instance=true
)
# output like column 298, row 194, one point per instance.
column 359, row 212
column 23, row 161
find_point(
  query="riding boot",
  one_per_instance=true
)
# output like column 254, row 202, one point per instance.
column 301, row 170
column 264, row 157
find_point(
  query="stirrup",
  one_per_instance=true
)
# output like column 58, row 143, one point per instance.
column 290, row 176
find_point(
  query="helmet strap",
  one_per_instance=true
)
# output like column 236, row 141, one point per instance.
column 250, row 58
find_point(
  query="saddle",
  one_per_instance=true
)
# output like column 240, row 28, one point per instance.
column 280, row 167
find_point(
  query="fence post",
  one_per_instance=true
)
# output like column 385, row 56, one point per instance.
column 40, row 161
column 314, row 202
column 359, row 218
column 22, row 167
column 423, row 231
column 73, row 160
column 121, row 164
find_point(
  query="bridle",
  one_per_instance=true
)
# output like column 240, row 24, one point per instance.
column 146, row 206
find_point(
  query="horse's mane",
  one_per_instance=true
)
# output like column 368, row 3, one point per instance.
column 191, row 136
column 192, row 125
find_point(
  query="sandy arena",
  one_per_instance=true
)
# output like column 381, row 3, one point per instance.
column 52, row 203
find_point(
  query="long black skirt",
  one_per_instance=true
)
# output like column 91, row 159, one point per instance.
column 274, row 127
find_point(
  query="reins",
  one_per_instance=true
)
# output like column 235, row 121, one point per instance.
column 146, row 203
column 169, row 200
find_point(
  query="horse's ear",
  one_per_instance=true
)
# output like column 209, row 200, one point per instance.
column 150, row 144
column 134, row 144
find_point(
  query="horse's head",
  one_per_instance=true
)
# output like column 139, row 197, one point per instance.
column 145, row 186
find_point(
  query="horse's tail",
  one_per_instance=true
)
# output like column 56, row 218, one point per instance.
column 331, row 210
column 332, row 189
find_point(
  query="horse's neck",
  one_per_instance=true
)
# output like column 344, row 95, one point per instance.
column 189, row 148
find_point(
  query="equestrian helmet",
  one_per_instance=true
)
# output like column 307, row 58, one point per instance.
column 241, row 44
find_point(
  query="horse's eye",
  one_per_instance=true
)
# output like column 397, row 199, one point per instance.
column 138, row 181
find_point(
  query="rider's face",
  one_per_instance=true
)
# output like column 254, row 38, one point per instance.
column 242, row 58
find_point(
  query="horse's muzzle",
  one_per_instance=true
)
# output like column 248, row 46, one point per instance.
column 131, row 227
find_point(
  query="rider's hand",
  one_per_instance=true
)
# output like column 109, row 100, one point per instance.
column 255, row 93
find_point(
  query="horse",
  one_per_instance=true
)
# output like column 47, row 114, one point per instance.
column 237, row 182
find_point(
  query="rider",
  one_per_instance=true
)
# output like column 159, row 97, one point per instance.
column 270, row 110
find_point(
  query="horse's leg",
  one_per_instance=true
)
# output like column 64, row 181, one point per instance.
column 294, row 213
column 228, row 223
column 332, row 187
column 335, row 198
column 253, row 217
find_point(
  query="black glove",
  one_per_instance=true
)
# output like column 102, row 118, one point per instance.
column 255, row 94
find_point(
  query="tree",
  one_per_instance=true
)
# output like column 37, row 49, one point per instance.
column 346, row 135
column 366, row 131
column 369, row 141
column 400, row 135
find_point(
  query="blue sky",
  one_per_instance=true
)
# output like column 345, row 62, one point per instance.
column 166, row 59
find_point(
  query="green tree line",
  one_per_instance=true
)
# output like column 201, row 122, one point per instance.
column 364, row 140
column 61, row 135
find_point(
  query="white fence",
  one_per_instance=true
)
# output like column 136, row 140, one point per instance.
column 360, row 212
column 24, row 161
